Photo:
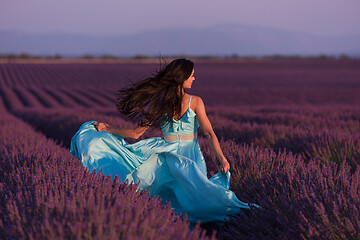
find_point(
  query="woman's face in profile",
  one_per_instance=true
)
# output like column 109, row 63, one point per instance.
column 188, row 82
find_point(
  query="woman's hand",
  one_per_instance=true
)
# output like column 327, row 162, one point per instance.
column 224, row 166
column 101, row 126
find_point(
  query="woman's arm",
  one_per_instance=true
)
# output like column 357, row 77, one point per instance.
column 126, row 133
column 206, row 127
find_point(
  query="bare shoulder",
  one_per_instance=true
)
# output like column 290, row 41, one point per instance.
column 197, row 103
column 195, row 100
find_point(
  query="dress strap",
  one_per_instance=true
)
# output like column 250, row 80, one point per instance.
column 190, row 100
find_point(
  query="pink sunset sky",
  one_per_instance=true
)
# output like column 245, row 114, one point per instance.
column 120, row 17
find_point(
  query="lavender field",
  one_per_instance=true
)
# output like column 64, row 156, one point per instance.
column 290, row 129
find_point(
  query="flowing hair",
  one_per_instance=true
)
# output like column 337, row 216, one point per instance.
column 156, row 100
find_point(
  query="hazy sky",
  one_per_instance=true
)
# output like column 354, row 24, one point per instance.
column 114, row 17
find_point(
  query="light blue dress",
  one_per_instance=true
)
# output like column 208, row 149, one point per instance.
column 175, row 170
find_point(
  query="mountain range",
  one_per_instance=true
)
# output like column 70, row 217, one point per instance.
column 224, row 40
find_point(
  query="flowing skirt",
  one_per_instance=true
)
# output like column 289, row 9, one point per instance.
column 175, row 171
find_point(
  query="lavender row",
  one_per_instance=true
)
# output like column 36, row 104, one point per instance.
column 60, row 74
column 319, row 116
column 47, row 194
column 325, row 134
column 44, row 98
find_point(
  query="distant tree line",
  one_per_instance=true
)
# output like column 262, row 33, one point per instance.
column 28, row 56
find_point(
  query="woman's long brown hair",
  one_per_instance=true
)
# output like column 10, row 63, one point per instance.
column 156, row 100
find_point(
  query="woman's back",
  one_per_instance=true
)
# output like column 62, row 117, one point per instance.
column 186, row 125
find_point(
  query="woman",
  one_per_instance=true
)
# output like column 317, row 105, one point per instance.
column 171, row 166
